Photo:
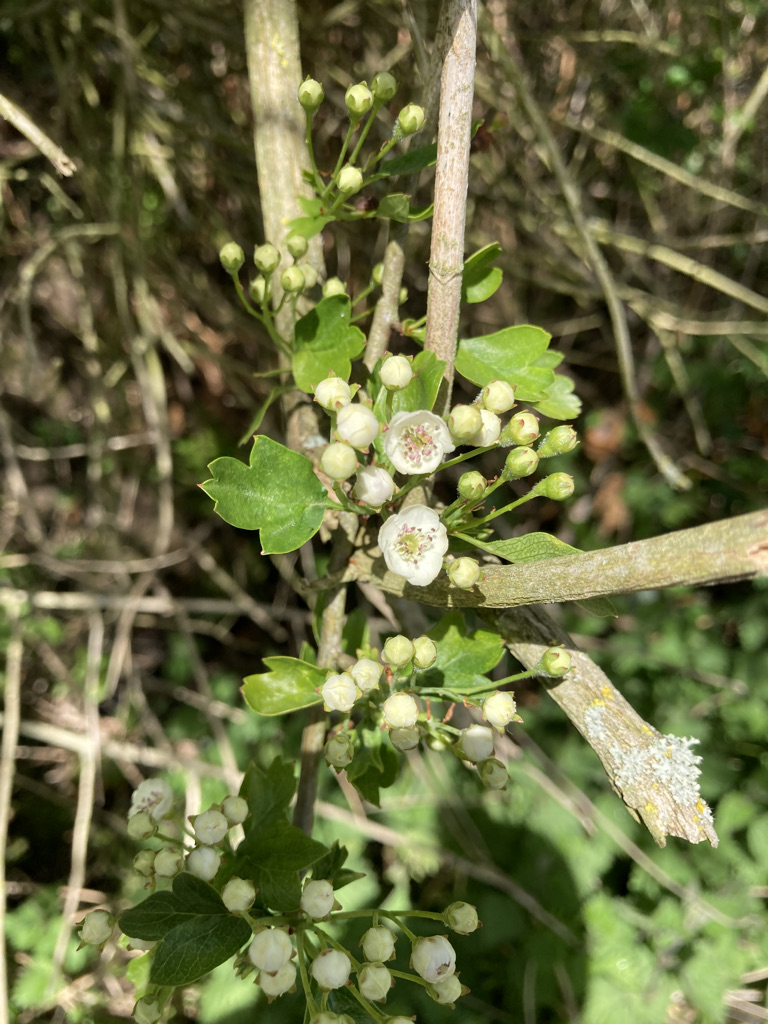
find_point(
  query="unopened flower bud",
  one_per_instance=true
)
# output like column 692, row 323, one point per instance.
column 270, row 949
column 377, row 274
column 499, row 710
column 231, row 257
column 411, row 119
column 350, row 180
column 234, row 809
column 464, row 572
column 555, row 662
column 266, row 257
column 339, row 750
column 334, row 1018
column 317, row 899
column 296, row 245
column 357, row 425
column 556, row 487
column 475, row 743
column 311, row 95
column 366, row 672
column 204, row 862
column 400, row 711
column 498, row 396
column 277, row 984
column 257, row 289
column 374, row 981
column 396, row 373
column 339, row 692
column 331, row 969
column 333, row 393
column 493, row 774
column 405, row 739
column 383, row 87
column 462, row 918
column 424, row 652
column 238, row 895
column 378, row 944
column 334, row 286
column 374, row 486
column 359, row 100
column 402, row 295
column 210, row 827
column 141, row 826
column 520, row 462
column 489, row 431
column 292, row 279
column 148, row 1010
column 339, row 461
column 310, row 276
column 168, row 862
column 398, row 651
column 523, row 428
column 558, row 441
column 96, row 928
column 464, row 421
column 446, row 992
column 433, row 958
column 472, row 486
column 144, row 863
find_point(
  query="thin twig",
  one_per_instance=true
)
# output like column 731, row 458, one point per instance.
column 11, row 722
column 23, row 123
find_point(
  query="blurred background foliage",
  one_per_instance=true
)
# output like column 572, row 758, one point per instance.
column 126, row 366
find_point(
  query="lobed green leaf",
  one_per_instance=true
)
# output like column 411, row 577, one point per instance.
column 326, row 341
column 509, row 355
column 289, row 685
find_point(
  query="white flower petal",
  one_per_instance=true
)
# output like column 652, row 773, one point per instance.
column 413, row 544
column 416, row 442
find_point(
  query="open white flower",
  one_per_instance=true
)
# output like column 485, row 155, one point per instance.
column 154, row 796
column 413, row 544
column 417, row 441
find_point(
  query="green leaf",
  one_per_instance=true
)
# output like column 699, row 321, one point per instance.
column 531, row 547
column 395, row 207
column 308, row 227
column 463, row 659
column 325, row 342
column 279, row 890
column 331, row 866
column 480, row 280
column 289, row 685
column 372, row 770
column 600, row 607
column 421, row 393
column 560, row 402
column 282, row 847
column 508, row 355
column 277, row 493
column 268, row 793
column 549, row 359
column 414, row 160
column 195, row 929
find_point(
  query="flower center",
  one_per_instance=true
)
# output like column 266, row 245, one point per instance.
column 417, row 444
column 412, row 542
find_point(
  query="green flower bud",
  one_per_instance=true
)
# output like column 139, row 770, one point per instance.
column 493, row 774
column 411, row 119
column 96, row 928
column 144, row 863
column 235, row 809
column 499, row 709
column 141, row 826
column 396, row 373
column 557, row 441
column 168, row 862
column 405, row 738
column 464, row 421
column 292, row 279
column 498, row 396
column 350, row 180
column 232, row 257
column 378, row 944
column 556, row 486
column 257, row 289
column 310, row 275
column 266, row 257
column 446, row 992
column 424, row 652
column 402, row 295
column 359, row 100
column 339, row 750
column 520, row 462
column 148, row 1010
column 521, row 429
column 555, row 662
column 464, row 573
column 383, row 87
column 472, row 486
column 400, row 711
column 334, row 286
column 339, row 461
column 377, row 274
column 296, row 245
column 462, row 918
column 398, row 651
column 311, row 95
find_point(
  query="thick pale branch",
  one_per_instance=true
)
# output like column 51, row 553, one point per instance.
column 732, row 549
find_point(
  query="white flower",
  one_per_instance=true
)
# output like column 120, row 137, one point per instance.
column 433, row 958
column 333, row 393
column 210, row 827
column 499, row 709
column 270, row 949
column 331, row 969
column 339, row 692
column 357, row 425
column 413, row 544
column 238, row 894
column 154, row 796
column 489, row 431
column 277, row 984
column 400, row 711
column 417, row 441
column 374, row 486
column 366, row 672
column 317, row 899
column 204, row 861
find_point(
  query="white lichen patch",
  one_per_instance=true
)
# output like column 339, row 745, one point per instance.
column 594, row 722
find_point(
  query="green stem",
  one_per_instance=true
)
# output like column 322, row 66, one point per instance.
column 305, row 984
column 340, row 161
column 507, row 508
column 318, row 181
column 363, row 134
